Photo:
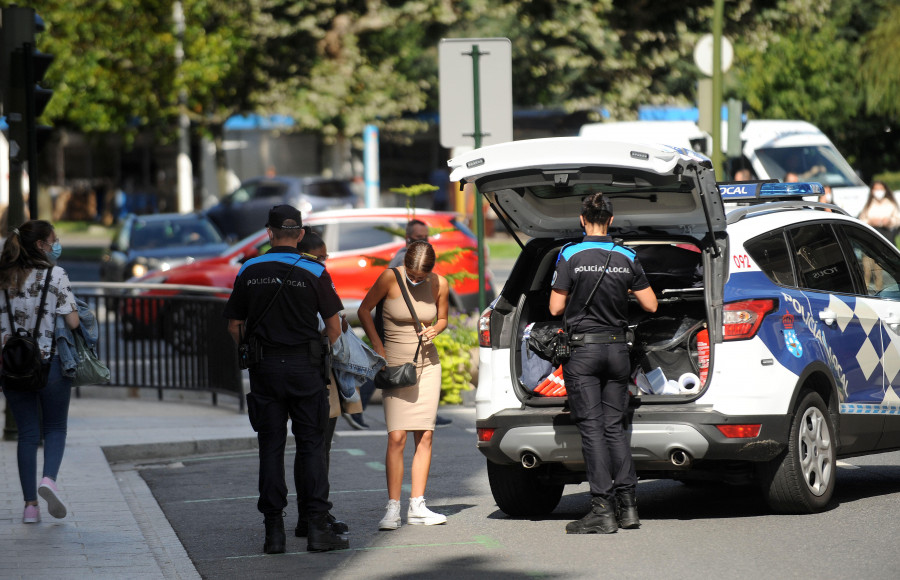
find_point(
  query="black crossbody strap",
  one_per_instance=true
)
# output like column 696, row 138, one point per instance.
column 271, row 302
column 40, row 314
column 587, row 302
column 412, row 310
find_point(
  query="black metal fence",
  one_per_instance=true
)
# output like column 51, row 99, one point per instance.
column 165, row 337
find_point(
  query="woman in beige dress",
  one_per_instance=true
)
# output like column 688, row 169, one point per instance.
column 410, row 409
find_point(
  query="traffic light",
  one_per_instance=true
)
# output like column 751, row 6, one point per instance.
column 24, row 100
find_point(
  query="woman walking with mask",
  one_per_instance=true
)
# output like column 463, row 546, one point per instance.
column 28, row 258
column 881, row 210
column 414, row 408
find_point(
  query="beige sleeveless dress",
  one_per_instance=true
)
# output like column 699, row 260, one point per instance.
column 411, row 408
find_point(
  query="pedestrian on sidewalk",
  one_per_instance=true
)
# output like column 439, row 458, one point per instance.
column 27, row 266
column 313, row 245
column 413, row 408
column 416, row 231
column 273, row 311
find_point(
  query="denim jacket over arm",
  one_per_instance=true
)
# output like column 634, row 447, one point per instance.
column 353, row 362
column 65, row 340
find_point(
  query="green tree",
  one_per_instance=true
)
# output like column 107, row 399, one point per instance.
column 107, row 77
column 880, row 68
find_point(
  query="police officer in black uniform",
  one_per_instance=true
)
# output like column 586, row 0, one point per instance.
column 275, row 300
column 596, row 375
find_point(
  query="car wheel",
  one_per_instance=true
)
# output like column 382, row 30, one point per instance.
column 802, row 479
column 519, row 492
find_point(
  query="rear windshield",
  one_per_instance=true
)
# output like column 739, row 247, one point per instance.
column 630, row 185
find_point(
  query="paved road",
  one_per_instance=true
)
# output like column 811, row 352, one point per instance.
column 688, row 532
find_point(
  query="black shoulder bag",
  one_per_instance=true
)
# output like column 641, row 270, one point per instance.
column 249, row 351
column 405, row 374
column 23, row 367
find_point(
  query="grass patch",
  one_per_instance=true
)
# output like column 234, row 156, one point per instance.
column 503, row 249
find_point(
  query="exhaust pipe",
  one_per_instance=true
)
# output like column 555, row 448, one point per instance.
column 680, row 458
column 530, row 460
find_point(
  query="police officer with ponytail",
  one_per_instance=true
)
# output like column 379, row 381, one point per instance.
column 597, row 373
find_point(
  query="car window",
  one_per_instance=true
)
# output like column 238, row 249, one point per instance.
column 355, row 236
column 328, row 189
column 819, row 259
column 770, row 251
column 879, row 265
column 810, row 163
column 243, row 193
column 171, row 233
column 269, row 190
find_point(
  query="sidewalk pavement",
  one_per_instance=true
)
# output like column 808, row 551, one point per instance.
column 114, row 527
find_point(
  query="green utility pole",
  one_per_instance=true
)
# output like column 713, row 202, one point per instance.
column 479, row 213
column 718, row 16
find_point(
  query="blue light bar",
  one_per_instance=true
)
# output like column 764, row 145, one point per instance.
column 748, row 191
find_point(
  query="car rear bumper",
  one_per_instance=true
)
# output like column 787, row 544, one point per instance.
column 662, row 438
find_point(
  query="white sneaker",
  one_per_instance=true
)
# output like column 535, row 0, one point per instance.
column 391, row 519
column 420, row 515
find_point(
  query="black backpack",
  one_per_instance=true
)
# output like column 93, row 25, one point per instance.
column 23, row 367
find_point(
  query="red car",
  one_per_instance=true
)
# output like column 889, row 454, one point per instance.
column 360, row 244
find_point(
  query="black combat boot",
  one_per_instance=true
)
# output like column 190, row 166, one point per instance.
column 600, row 520
column 337, row 526
column 626, row 509
column 321, row 536
column 274, row 534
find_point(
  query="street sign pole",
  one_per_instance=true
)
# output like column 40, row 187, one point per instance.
column 479, row 210
column 460, row 106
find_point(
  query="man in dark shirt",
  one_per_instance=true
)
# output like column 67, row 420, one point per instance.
column 596, row 375
column 275, row 300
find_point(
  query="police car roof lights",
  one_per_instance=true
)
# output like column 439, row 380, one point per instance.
column 767, row 190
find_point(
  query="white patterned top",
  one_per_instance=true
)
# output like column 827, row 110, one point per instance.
column 25, row 304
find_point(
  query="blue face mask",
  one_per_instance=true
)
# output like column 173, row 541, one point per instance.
column 413, row 284
column 55, row 251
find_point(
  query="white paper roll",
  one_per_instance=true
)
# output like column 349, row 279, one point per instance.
column 689, row 383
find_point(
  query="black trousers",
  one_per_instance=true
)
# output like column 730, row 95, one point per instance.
column 283, row 387
column 596, row 379
column 300, row 475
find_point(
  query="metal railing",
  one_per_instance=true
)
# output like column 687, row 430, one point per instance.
column 165, row 336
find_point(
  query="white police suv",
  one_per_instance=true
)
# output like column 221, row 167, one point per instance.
column 774, row 351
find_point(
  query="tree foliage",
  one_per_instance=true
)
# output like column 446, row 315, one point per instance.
column 337, row 65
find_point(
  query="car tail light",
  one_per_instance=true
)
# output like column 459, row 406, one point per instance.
column 739, row 431
column 484, row 327
column 703, row 354
column 485, row 434
column 742, row 319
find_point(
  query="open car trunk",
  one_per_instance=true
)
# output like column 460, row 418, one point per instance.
column 671, row 344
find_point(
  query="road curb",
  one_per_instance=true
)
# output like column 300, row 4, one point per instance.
column 144, row 451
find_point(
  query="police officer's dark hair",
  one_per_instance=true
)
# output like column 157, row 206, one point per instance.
column 414, row 223
column 419, row 256
column 596, row 209
column 311, row 241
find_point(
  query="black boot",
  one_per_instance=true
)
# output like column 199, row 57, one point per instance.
column 321, row 536
column 600, row 520
column 626, row 509
column 337, row 526
column 274, row 534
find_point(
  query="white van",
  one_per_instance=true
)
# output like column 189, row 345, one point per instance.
column 775, row 148
column 772, row 149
